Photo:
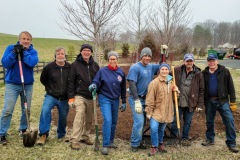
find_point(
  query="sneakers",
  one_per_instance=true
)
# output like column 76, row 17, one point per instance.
column 21, row 133
column 42, row 140
column 75, row 145
column 186, row 142
column 104, row 151
column 87, row 141
column 3, row 140
column 112, row 145
column 153, row 151
column 208, row 143
column 161, row 148
column 233, row 149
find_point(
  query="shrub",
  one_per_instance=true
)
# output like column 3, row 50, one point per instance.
column 125, row 50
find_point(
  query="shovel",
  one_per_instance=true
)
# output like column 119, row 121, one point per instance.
column 29, row 137
column 176, row 105
column 97, row 141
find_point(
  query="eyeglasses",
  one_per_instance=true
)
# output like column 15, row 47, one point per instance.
column 86, row 50
column 189, row 61
column 112, row 59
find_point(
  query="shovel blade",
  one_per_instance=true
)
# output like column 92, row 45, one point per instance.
column 29, row 138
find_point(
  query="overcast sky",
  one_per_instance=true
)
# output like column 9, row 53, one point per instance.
column 41, row 18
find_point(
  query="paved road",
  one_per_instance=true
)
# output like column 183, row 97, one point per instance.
column 230, row 63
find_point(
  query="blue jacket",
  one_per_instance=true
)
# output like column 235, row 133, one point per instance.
column 10, row 62
column 111, row 84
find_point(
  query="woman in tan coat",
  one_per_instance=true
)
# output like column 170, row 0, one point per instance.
column 159, row 107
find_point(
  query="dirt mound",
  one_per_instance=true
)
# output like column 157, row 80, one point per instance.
column 124, row 126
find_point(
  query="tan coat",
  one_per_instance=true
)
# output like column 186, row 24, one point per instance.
column 159, row 101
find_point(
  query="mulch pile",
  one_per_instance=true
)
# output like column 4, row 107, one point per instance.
column 124, row 126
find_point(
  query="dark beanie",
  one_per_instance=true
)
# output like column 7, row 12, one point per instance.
column 86, row 46
column 164, row 65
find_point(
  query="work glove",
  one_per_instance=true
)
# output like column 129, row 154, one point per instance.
column 123, row 107
column 92, row 87
column 71, row 102
column 198, row 109
column 138, row 106
column 148, row 116
column 233, row 107
column 18, row 48
column 164, row 46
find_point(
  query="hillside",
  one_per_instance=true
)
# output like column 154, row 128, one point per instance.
column 44, row 46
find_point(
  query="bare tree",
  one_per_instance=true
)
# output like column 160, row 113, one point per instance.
column 235, row 33
column 222, row 32
column 211, row 25
column 169, row 18
column 136, row 19
column 86, row 19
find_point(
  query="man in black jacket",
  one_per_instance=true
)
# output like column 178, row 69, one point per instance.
column 219, row 91
column 83, row 70
column 55, row 79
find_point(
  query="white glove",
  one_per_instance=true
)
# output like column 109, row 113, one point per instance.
column 148, row 116
column 198, row 109
column 138, row 106
column 164, row 46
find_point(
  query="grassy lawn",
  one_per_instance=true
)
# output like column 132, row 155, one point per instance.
column 44, row 46
column 61, row 150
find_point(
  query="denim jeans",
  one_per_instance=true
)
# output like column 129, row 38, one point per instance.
column 187, row 120
column 157, row 132
column 46, row 116
column 138, row 123
column 227, row 117
column 12, row 92
column 109, row 109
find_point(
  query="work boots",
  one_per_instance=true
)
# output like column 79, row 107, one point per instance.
column 87, row 141
column 153, row 151
column 75, row 145
column 161, row 148
column 42, row 140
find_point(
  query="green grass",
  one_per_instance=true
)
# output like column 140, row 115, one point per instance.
column 44, row 46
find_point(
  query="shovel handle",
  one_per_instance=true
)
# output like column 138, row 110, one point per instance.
column 23, row 89
column 97, row 142
column 176, row 100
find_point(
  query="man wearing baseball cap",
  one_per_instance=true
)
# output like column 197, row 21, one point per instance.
column 219, row 96
column 189, row 80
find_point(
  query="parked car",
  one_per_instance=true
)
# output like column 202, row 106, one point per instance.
column 235, row 55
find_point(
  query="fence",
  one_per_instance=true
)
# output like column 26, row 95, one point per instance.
column 37, row 68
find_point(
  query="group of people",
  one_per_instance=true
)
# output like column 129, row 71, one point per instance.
column 71, row 85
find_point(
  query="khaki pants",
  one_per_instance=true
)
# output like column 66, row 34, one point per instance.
column 83, row 120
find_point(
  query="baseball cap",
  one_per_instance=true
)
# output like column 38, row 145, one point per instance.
column 212, row 56
column 188, row 56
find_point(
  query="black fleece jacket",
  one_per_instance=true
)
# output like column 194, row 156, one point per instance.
column 55, row 79
column 226, row 90
column 81, row 76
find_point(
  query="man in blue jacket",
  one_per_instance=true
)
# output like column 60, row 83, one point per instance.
column 13, row 81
